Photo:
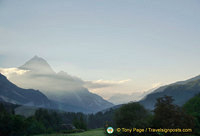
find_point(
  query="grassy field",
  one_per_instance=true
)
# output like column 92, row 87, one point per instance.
column 95, row 132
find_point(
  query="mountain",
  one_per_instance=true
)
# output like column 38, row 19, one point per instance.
column 37, row 64
column 160, row 89
column 60, row 87
column 180, row 91
column 30, row 99
column 12, row 94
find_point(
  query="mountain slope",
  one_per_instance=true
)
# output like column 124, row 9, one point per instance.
column 13, row 94
column 160, row 89
column 30, row 98
column 180, row 91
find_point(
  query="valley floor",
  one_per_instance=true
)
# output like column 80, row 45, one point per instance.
column 95, row 132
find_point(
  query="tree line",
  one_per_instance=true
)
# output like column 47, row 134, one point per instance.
column 166, row 115
column 131, row 115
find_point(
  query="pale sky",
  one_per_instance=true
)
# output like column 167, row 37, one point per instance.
column 144, row 42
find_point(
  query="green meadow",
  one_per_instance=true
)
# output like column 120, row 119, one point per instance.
column 95, row 132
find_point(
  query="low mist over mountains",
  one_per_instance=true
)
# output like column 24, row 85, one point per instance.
column 12, row 94
column 31, row 99
column 60, row 87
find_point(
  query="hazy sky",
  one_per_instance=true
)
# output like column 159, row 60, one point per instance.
column 144, row 42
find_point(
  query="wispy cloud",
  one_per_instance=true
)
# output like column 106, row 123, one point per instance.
column 104, row 83
column 111, row 81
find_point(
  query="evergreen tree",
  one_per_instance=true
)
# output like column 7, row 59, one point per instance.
column 168, row 115
column 192, row 107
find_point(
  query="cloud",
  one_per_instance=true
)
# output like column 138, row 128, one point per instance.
column 104, row 83
column 54, row 81
column 51, row 83
column 111, row 81
column 12, row 71
column 57, row 84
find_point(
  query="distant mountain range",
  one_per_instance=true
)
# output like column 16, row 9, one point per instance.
column 121, row 98
column 180, row 91
column 57, row 90
column 64, row 92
